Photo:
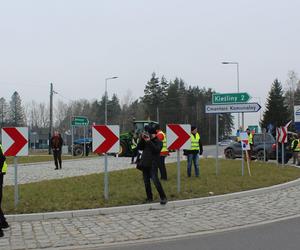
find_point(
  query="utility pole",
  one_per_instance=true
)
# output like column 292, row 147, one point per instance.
column 51, row 116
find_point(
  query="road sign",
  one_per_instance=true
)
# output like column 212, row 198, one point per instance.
column 80, row 121
column 230, row 98
column 232, row 108
column 15, row 141
column 282, row 134
column 297, row 113
column 178, row 136
column 106, row 138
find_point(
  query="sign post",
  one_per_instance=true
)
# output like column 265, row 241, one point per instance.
column 231, row 103
column 15, row 143
column 178, row 137
column 106, row 140
column 80, row 121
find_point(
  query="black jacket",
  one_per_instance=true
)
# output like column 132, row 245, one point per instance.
column 151, row 152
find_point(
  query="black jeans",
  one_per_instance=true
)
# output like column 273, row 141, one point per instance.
column 151, row 173
column 162, row 168
column 2, row 217
column 57, row 158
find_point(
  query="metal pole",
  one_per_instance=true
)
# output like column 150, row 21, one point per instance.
column 84, row 144
column 282, row 154
column 238, row 88
column 264, row 145
column 178, row 171
column 217, row 144
column 105, row 156
column 16, row 181
column 277, row 145
column 243, row 161
column 51, row 116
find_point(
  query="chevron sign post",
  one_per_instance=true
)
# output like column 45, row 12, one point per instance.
column 15, row 143
column 178, row 137
column 106, row 140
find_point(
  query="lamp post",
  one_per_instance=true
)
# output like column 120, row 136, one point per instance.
column 105, row 157
column 238, row 84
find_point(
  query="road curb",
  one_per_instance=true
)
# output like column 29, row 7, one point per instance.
column 147, row 207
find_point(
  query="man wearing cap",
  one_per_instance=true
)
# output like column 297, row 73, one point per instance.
column 194, row 152
column 151, row 147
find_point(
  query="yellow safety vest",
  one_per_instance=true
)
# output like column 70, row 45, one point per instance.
column 250, row 138
column 133, row 144
column 4, row 168
column 164, row 147
column 195, row 141
column 297, row 149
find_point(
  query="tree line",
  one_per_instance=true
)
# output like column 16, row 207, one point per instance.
column 172, row 101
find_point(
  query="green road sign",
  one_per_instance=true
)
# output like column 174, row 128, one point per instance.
column 230, row 98
column 80, row 121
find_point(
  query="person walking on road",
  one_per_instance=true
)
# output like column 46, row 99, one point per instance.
column 163, row 153
column 151, row 147
column 3, row 165
column 194, row 152
column 56, row 145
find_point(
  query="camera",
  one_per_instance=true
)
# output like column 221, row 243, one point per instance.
column 145, row 135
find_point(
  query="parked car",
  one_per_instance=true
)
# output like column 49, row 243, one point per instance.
column 234, row 150
column 225, row 142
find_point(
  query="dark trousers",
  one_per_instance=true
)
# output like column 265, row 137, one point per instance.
column 57, row 158
column 162, row 168
column 2, row 217
column 151, row 173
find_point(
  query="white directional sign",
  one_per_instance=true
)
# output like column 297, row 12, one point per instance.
column 106, row 138
column 297, row 113
column 232, row 108
column 15, row 141
column 178, row 136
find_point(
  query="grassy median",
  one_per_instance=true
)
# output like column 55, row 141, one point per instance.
column 126, row 186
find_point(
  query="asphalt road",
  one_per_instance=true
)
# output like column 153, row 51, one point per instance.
column 282, row 235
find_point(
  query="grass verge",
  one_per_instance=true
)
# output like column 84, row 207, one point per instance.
column 126, row 186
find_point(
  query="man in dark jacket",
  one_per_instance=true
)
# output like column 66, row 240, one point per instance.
column 3, row 169
column 150, row 160
column 56, row 145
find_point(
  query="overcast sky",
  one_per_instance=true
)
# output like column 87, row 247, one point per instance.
column 77, row 44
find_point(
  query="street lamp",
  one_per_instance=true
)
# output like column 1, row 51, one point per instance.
column 238, row 84
column 105, row 157
column 105, row 106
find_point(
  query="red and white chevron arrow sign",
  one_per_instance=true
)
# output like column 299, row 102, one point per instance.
column 15, row 141
column 106, row 139
column 178, row 136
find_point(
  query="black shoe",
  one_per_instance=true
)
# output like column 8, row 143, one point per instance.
column 4, row 225
column 55, row 168
column 1, row 233
column 163, row 201
column 148, row 200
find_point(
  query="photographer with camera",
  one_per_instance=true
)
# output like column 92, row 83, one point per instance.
column 150, row 160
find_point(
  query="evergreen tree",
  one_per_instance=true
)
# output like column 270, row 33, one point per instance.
column 154, row 95
column 276, row 112
column 3, row 112
column 113, row 110
column 16, row 114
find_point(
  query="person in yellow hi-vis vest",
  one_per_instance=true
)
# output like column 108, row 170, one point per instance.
column 250, row 142
column 163, row 153
column 295, row 149
column 3, row 166
column 194, row 152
